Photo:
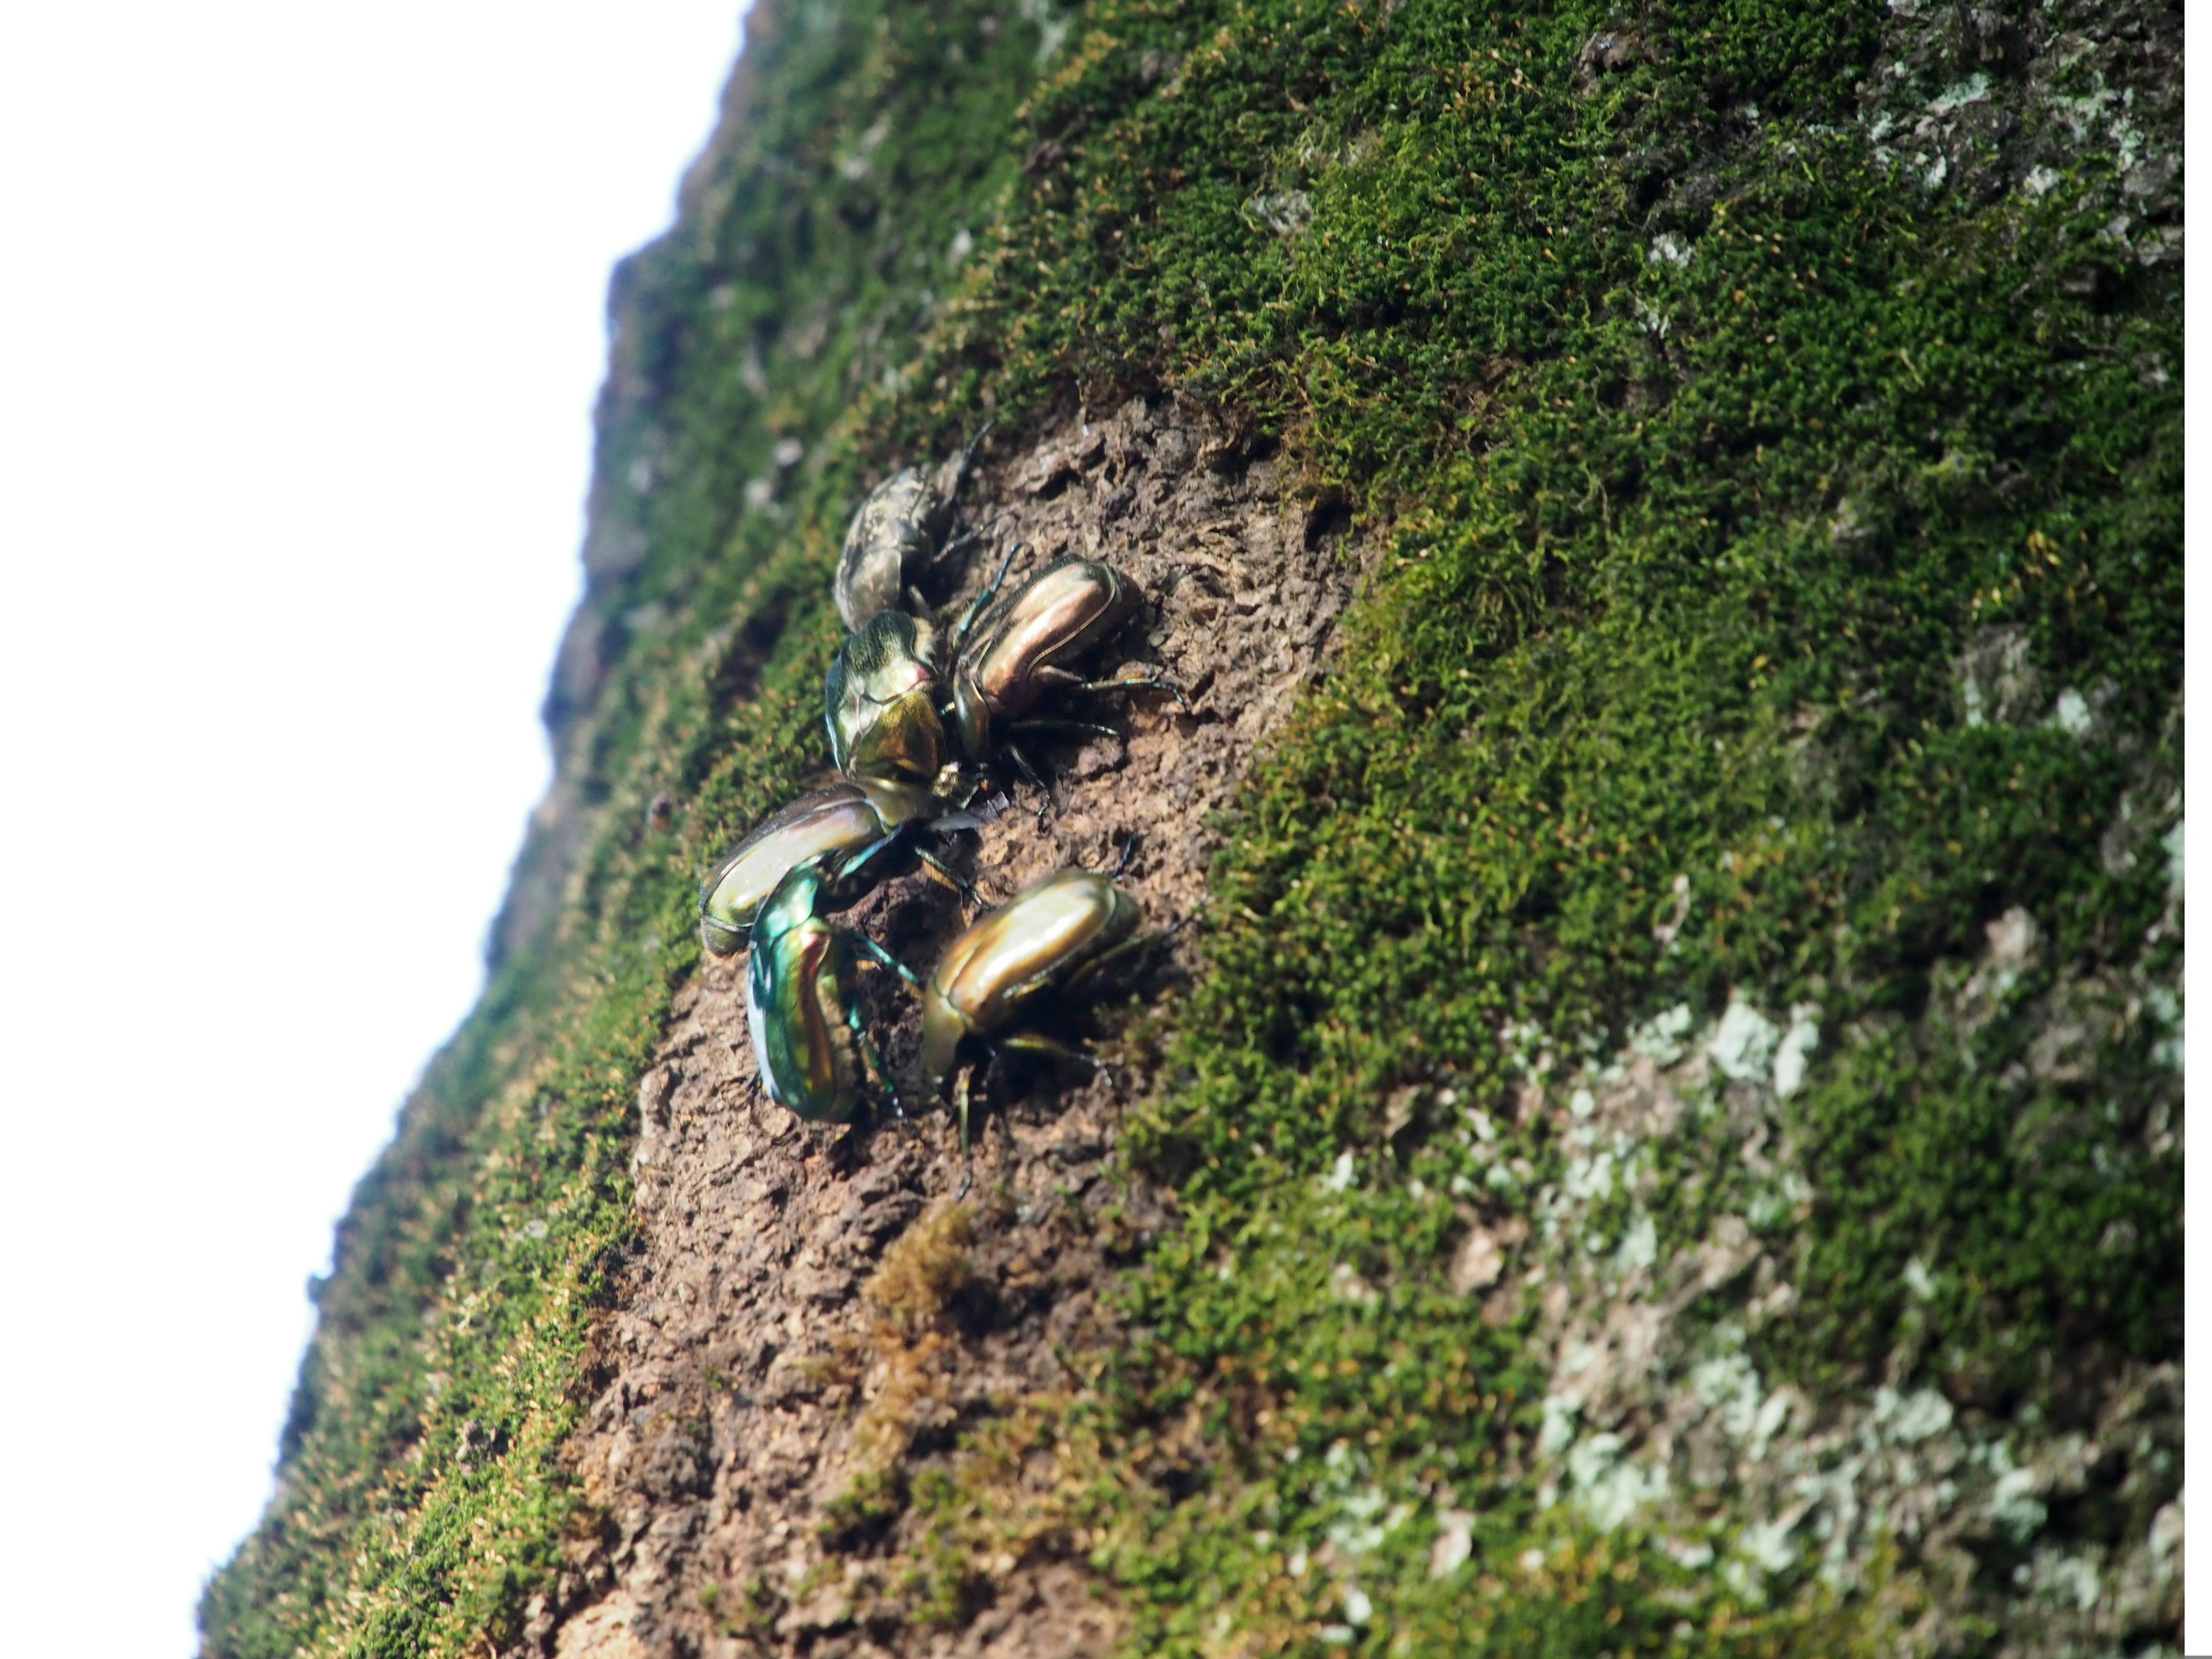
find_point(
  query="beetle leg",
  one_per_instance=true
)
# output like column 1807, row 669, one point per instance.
column 1029, row 773
column 1092, row 726
column 1122, row 859
column 1067, row 680
column 854, row 863
column 975, row 606
column 1031, row 1042
column 960, row 1103
column 875, row 1059
column 1135, row 682
column 966, row 537
column 884, row 958
column 952, row 879
column 968, row 451
column 1127, row 947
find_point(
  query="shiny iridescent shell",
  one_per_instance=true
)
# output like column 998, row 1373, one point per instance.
column 1055, row 618
column 879, row 703
column 799, row 1002
column 1020, row 948
column 840, row 819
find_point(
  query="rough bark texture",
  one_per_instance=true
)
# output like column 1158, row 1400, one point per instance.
column 816, row 1314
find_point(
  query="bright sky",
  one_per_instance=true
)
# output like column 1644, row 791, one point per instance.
column 304, row 313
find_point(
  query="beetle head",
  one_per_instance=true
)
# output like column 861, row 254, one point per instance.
column 944, row 1028
column 971, row 714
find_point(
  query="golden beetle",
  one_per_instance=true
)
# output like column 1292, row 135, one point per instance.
column 1056, row 935
column 888, row 693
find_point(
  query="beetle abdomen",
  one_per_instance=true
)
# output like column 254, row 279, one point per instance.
column 890, row 526
column 839, row 820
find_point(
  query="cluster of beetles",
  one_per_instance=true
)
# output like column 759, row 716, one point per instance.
column 923, row 719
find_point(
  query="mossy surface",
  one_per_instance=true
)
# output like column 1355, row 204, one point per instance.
column 1718, row 447
column 1772, row 413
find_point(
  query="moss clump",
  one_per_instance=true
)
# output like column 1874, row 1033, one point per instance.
column 911, row 1293
column 1716, row 446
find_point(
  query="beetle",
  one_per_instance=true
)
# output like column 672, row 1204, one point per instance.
column 847, row 819
column 886, row 700
column 903, row 520
column 1055, row 935
column 880, row 703
column 1010, row 652
column 814, row 1054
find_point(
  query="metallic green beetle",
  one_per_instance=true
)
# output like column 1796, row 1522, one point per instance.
column 846, row 819
column 1057, row 934
column 880, row 704
column 814, row 1054
column 902, row 522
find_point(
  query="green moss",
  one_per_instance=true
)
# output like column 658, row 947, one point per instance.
column 1686, row 549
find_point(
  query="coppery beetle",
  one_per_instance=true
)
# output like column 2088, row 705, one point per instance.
column 814, row 1054
column 1055, row 935
column 846, row 819
column 880, row 703
column 902, row 522
column 1017, row 649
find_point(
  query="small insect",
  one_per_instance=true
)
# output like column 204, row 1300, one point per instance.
column 1055, row 936
column 815, row 1056
column 880, row 703
column 902, row 523
column 1017, row 650
column 847, row 820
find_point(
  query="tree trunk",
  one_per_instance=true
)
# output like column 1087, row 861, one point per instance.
column 1660, row 1130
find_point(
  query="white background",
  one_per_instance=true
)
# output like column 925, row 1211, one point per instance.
column 303, row 311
